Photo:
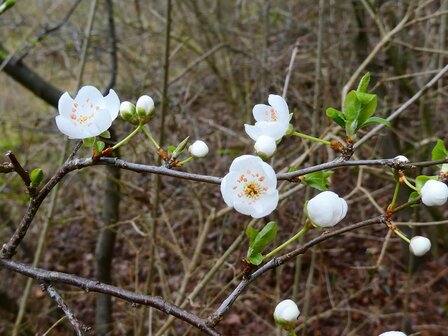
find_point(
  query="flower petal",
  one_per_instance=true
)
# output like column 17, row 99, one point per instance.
column 88, row 92
column 245, row 162
column 271, row 178
column 71, row 128
column 65, row 105
column 112, row 103
column 252, row 131
column 260, row 112
column 275, row 130
column 244, row 208
column 265, row 205
column 227, row 191
column 101, row 122
column 280, row 106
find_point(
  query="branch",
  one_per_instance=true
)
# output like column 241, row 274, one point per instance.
column 22, row 173
column 98, row 287
column 6, row 168
column 214, row 318
column 77, row 327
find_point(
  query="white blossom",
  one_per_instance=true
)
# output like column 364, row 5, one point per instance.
column 198, row 149
column 265, row 145
column 392, row 333
column 286, row 312
column 419, row 245
column 434, row 193
column 326, row 209
column 250, row 186
column 272, row 121
column 89, row 114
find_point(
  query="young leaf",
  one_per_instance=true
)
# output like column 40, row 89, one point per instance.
column 99, row 146
column 439, row 151
column 251, row 233
column 255, row 259
column 337, row 116
column 376, row 120
column 422, row 179
column 105, row 135
column 89, row 142
column 36, row 176
column 364, row 83
column 171, row 149
column 318, row 180
column 365, row 98
column 412, row 197
column 352, row 107
column 367, row 110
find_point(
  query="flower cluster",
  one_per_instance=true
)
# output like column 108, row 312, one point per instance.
column 272, row 122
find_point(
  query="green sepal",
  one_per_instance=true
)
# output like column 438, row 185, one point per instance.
column 99, row 146
column 180, row 147
column 337, row 116
column 105, row 135
column 364, row 83
column 258, row 241
column 318, row 180
column 36, row 177
column 89, row 142
column 439, row 151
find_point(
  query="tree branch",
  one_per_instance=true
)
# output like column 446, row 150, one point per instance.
column 98, row 287
column 274, row 263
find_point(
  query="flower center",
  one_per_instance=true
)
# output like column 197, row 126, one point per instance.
column 249, row 184
column 253, row 190
column 271, row 115
column 82, row 114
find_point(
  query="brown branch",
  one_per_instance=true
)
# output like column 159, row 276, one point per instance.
column 22, row 173
column 77, row 327
column 6, row 168
column 98, row 287
column 214, row 318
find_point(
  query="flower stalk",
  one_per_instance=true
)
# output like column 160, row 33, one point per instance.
column 129, row 137
column 290, row 240
column 311, row 138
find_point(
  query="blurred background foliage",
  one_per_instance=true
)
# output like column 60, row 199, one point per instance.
column 225, row 57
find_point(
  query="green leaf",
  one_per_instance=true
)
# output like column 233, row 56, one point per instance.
column 171, row 149
column 256, row 259
column 105, row 134
column 422, row 179
column 318, row 180
column 89, row 142
column 99, row 146
column 412, row 197
column 259, row 241
column 364, row 83
column 36, row 176
column 337, row 116
column 376, row 120
column 439, row 151
column 352, row 107
column 251, row 233
column 292, row 169
column 365, row 98
column 180, row 147
column 367, row 110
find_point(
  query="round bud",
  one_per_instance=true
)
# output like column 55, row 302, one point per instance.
column 326, row 209
column 286, row 313
column 434, row 193
column 128, row 112
column 401, row 159
column 419, row 245
column 145, row 108
column 265, row 145
column 393, row 333
column 198, row 149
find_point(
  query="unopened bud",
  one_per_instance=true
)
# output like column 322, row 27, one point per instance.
column 286, row 313
column 265, row 145
column 198, row 149
column 419, row 245
column 145, row 109
column 128, row 112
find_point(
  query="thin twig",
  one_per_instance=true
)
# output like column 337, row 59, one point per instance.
column 77, row 327
column 22, row 173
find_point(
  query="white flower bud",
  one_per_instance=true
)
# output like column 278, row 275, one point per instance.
column 128, row 112
column 145, row 108
column 434, row 193
column 419, row 245
column 326, row 209
column 401, row 159
column 265, row 145
column 393, row 333
column 286, row 312
column 198, row 149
